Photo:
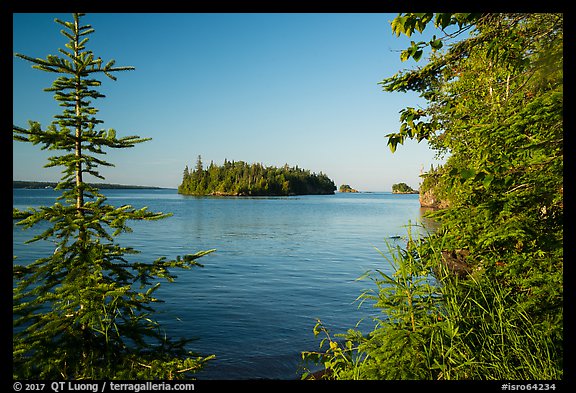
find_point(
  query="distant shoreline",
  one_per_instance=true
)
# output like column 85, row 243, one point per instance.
column 47, row 184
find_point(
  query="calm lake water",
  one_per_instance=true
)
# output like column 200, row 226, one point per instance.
column 281, row 263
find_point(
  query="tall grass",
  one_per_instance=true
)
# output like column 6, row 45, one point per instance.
column 502, row 340
column 435, row 325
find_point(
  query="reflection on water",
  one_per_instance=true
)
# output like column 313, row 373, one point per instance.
column 430, row 224
column 280, row 264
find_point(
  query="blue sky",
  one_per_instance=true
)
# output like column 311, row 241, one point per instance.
column 273, row 88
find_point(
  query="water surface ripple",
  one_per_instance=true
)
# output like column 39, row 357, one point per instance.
column 280, row 264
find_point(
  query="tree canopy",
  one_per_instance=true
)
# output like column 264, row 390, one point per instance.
column 346, row 188
column 493, row 88
column 242, row 179
column 403, row 188
column 495, row 109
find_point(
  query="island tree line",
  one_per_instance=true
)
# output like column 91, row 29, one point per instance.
column 403, row 188
column 239, row 178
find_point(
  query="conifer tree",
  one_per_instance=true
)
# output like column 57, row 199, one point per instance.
column 86, row 310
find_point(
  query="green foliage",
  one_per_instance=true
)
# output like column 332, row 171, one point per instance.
column 402, row 188
column 430, row 179
column 401, row 346
column 86, row 311
column 410, row 22
column 346, row 188
column 435, row 326
column 240, row 178
column 495, row 107
column 495, row 110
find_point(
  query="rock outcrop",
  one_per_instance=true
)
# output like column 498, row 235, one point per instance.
column 429, row 198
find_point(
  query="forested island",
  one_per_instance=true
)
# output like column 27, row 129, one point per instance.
column 403, row 188
column 238, row 178
column 50, row 184
column 346, row 188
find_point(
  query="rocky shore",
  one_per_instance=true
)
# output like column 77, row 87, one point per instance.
column 430, row 199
